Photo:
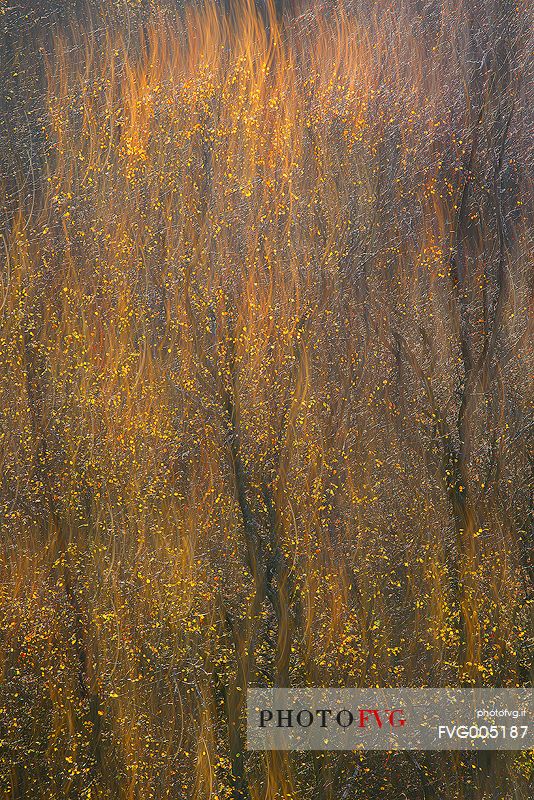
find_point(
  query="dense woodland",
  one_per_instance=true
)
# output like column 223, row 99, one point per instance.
column 264, row 385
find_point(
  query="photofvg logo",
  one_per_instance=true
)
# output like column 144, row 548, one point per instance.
column 390, row 719
column 305, row 717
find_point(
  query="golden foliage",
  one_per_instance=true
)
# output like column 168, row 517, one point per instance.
column 263, row 375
